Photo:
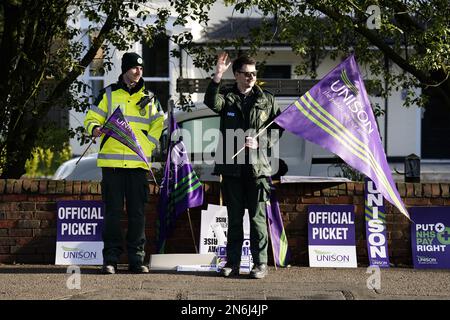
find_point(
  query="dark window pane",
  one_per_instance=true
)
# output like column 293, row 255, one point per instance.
column 275, row 72
column 435, row 129
column 156, row 58
column 161, row 90
column 96, row 86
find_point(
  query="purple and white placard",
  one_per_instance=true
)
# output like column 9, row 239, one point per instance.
column 79, row 233
column 331, row 236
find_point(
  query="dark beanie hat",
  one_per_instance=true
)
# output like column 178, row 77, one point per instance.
column 130, row 60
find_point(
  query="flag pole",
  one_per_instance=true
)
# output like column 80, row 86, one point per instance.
column 192, row 230
column 92, row 141
column 264, row 129
column 151, row 173
column 220, row 191
column 270, row 229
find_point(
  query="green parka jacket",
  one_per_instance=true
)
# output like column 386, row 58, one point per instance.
column 228, row 104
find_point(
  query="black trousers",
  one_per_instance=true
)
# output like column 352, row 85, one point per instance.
column 119, row 187
column 253, row 194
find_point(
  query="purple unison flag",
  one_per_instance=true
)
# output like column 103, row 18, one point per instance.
column 336, row 115
column 180, row 189
column 118, row 127
column 278, row 237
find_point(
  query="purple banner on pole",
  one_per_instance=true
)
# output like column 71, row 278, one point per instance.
column 79, row 221
column 331, row 225
column 430, row 237
column 180, row 189
column 336, row 114
column 375, row 217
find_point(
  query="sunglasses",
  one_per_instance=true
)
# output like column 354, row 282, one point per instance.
column 248, row 74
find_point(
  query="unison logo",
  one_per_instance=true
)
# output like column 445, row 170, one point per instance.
column 349, row 93
column 330, row 256
column 77, row 253
column 334, row 258
column 426, row 260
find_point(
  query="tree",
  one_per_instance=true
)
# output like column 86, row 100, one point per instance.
column 412, row 34
column 42, row 55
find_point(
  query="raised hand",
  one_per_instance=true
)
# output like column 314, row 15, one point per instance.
column 221, row 66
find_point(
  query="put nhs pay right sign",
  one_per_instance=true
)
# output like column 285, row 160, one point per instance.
column 331, row 236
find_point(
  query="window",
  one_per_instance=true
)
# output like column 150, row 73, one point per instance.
column 156, row 68
column 96, row 87
column 156, row 57
column 204, row 134
column 160, row 89
column 275, row 72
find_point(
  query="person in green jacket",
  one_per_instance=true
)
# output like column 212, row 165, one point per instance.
column 124, row 173
column 244, row 110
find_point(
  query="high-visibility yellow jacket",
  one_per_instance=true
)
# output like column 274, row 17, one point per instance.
column 144, row 114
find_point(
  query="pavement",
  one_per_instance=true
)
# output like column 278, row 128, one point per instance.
column 50, row 282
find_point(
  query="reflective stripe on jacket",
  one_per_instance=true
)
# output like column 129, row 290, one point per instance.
column 144, row 115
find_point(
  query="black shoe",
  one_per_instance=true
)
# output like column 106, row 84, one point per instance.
column 229, row 270
column 109, row 269
column 138, row 269
column 259, row 271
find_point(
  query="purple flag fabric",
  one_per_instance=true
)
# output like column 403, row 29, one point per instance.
column 278, row 237
column 180, row 189
column 118, row 127
column 336, row 115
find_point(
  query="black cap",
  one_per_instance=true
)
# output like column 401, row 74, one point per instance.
column 130, row 60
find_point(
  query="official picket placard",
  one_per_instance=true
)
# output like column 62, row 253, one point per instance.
column 79, row 233
column 331, row 236
column 430, row 237
column 375, row 217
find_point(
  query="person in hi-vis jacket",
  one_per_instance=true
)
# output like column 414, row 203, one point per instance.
column 124, row 172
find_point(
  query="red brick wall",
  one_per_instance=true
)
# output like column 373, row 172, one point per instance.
column 28, row 216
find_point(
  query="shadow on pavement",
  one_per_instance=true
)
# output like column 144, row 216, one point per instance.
column 40, row 270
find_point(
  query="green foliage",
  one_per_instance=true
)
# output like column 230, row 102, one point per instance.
column 44, row 162
column 413, row 36
column 44, row 51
